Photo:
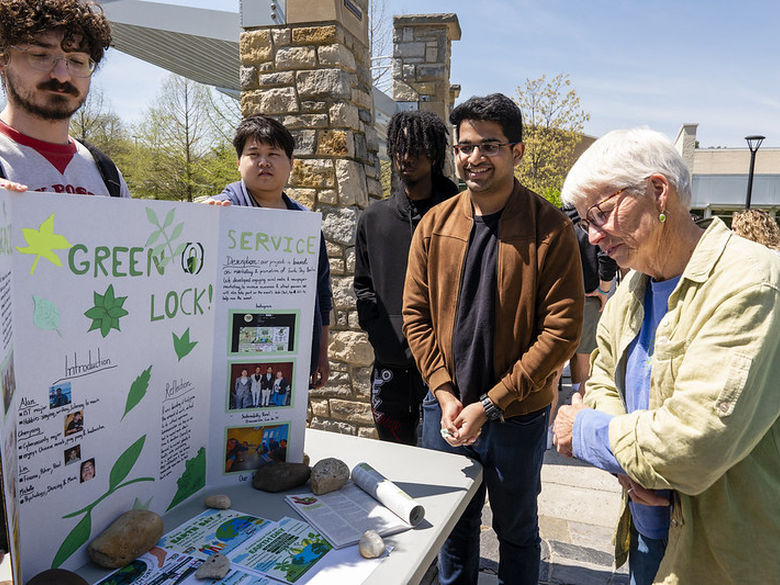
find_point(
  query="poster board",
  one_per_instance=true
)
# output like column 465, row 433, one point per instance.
column 125, row 328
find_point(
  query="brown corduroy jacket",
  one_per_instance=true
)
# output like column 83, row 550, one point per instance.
column 539, row 301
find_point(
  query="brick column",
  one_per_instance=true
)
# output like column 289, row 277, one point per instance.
column 312, row 74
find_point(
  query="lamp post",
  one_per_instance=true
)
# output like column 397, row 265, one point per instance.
column 754, row 142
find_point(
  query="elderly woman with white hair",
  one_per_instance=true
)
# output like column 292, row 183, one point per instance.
column 683, row 403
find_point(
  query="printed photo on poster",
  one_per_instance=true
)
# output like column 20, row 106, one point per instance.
column 60, row 395
column 9, row 381
column 72, row 455
column 249, row 448
column 260, row 385
column 87, row 470
column 74, row 422
column 262, row 332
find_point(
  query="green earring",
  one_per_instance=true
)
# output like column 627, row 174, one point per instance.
column 662, row 217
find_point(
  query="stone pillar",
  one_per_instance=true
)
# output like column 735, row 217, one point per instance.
column 422, row 46
column 421, row 60
column 313, row 75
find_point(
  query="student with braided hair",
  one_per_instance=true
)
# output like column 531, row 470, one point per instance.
column 416, row 145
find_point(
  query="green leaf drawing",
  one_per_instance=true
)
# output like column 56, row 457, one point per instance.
column 137, row 390
column 159, row 251
column 139, row 505
column 106, row 312
column 125, row 463
column 193, row 478
column 169, row 219
column 152, row 238
column 152, row 216
column 177, row 231
column 42, row 242
column 78, row 536
column 182, row 345
column 46, row 316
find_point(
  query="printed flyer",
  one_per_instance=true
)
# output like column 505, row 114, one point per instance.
column 148, row 349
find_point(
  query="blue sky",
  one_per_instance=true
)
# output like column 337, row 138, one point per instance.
column 660, row 63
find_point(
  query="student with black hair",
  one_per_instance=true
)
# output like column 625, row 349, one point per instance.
column 265, row 156
column 492, row 308
column 416, row 145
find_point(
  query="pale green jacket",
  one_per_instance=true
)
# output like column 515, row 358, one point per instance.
column 711, row 432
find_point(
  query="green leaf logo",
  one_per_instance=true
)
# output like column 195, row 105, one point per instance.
column 46, row 316
column 42, row 242
column 78, row 536
column 137, row 390
column 107, row 311
column 168, row 240
column 182, row 345
column 125, row 463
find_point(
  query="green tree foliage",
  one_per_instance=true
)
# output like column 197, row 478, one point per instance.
column 553, row 120
column 182, row 146
column 95, row 122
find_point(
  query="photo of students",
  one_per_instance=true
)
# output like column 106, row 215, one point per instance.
column 59, row 395
column 72, row 455
column 248, row 448
column 269, row 385
column 74, row 422
column 87, row 470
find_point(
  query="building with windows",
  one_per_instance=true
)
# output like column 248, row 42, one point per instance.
column 720, row 177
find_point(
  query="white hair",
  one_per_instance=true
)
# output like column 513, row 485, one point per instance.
column 625, row 158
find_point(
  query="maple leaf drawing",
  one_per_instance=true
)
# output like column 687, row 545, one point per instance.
column 106, row 312
column 42, row 242
column 182, row 345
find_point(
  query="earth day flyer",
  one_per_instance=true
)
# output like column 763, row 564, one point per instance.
column 134, row 338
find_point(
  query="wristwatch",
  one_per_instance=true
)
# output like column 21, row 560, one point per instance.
column 492, row 411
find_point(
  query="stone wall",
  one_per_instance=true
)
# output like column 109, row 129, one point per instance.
column 315, row 79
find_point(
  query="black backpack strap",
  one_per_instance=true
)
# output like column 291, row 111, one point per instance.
column 107, row 169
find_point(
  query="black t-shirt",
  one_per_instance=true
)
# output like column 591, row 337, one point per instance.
column 475, row 321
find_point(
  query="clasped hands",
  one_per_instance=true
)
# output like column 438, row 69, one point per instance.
column 460, row 426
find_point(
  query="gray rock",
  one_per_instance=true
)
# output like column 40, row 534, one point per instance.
column 371, row 545
column 214, row 567
column 278, row 477
column 126, row 539
column 55, row 577
column 217, row 501
column 329, row 475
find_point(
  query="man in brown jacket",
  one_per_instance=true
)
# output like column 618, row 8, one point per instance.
column 493, row 304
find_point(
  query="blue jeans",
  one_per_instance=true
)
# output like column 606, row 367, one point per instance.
column 644, row 558
column 511, row 455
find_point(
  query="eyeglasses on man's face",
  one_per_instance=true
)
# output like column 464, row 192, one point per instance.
column 486, row 148
column 597, row 216
column 78, row 64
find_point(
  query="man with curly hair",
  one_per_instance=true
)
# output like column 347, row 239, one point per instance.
column 416, row 145
column 49, row 50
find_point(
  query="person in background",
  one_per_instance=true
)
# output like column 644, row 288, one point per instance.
column 682, row 402
column 492, row 310
column 265, row 157
column 598, row 271
column 416, row 145
column 757, row 225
